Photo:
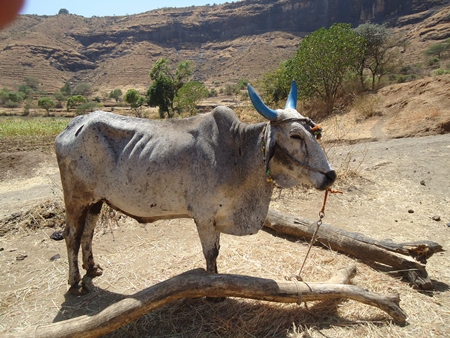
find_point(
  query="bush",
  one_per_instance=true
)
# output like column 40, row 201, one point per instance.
column 116, row 94
column 212, row 93
column 11, row 104
column 83, row 88
column 367, row 106
column 228, row 90
column 86, row 108
column 433, row 62
column 441, row 72
column 401, row 78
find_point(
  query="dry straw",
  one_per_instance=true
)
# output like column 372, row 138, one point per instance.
column 138, row 256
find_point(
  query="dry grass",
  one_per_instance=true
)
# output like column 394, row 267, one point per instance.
column 49, row 214
column 152, row 253
column 366, row 106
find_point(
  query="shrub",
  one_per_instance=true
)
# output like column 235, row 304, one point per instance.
column 86, row 108
column 441, row 72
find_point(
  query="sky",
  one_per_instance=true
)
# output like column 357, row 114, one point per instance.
column 88, row 8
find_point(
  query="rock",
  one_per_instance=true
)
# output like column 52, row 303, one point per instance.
column 436, row 218
column 55, row 257
column 422, row 182
column 411, row 211
column 57, row 236
column 21, row 257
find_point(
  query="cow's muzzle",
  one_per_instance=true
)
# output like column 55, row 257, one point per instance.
column 328, row 179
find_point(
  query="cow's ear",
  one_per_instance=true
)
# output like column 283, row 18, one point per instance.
column 270, row 148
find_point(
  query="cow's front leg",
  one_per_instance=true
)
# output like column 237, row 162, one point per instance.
column 210, row 239
column 92, row 269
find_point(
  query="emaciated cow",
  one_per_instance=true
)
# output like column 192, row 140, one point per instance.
column 211, row 167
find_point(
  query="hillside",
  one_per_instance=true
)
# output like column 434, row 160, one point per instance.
column 226, row 42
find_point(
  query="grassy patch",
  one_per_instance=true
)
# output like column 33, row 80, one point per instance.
column 11, row 127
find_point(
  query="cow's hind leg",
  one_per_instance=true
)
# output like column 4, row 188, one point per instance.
column 75, row 221
column 92, row 269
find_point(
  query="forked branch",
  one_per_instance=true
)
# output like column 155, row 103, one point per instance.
column 198, row 283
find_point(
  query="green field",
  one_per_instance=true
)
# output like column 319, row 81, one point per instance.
column 12, row 127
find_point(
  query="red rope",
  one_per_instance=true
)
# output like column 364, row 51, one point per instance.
column 331, row 191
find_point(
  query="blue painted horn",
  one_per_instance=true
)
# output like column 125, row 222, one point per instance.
column 260, row 107
column 292, row 98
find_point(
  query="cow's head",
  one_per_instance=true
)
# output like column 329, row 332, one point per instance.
column 290, row 147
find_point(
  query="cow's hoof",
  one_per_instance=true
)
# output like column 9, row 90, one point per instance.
column 95, row 271
column 78, row 290
column 215, row 299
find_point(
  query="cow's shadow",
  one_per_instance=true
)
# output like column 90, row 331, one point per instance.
column 228, row 318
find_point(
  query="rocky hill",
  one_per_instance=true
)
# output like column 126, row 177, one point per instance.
column 226, row 42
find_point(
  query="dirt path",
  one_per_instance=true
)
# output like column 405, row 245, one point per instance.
column 26, row 178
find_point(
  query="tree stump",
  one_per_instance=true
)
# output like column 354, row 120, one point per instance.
column 409, row 257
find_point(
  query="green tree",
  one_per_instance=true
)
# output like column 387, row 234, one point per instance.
column 116, row 94
column 10, row 99
column 75, row 101
column 27, row 90
column 60, row 98
column 182, row 74
column 46, row 103
column 66, row 90
column 323, row 59
column 32, row 82
column 379, row 55
column 63, row 11
column 190, row 95
column 161, row 94
column 83, row 88
column 135, row 100
column 16, row 97
column 166, row 84
column 438, row 49
column 275, row 85
column 3, row 96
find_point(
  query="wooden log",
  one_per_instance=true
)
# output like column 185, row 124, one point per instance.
column 198, row 283
column 407, row 257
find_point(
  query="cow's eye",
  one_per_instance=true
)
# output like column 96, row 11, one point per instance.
column 295, row 136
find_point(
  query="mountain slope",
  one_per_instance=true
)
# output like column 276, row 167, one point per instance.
column 226, row 42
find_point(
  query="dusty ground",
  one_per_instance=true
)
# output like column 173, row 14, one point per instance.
column 392, row 189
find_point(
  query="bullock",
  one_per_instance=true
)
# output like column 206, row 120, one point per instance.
column 212, row 168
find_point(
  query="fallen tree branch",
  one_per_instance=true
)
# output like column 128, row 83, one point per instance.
column 401, row 256
column 198, row 283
